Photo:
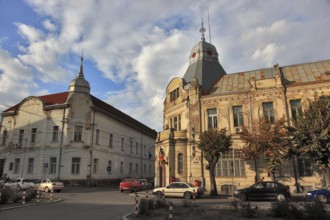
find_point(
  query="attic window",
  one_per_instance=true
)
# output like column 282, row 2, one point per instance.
column 174, row 94
column 193, row 55
column 209, row 53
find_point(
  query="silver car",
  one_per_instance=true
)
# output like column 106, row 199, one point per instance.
column 20, row 184
column 49, row 185
column 179, row 189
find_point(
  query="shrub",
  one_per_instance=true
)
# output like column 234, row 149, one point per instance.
column 145, row 207
column 187, row 202
column 5, row 195
column 280, row 209
column 314, row 210
column 30, row 194
column 16, row 196
column 160, row 203
column 247, row 211
column 235, row 204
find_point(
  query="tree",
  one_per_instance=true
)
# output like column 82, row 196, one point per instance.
column 213, row 143
column 254, row 142
column 266, row 140
column 314, row 126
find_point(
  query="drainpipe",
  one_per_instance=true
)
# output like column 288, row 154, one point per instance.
column 61, row 144
column 91, row 151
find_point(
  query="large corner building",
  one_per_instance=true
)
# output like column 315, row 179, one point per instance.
column 75, row 137
column 208, row 97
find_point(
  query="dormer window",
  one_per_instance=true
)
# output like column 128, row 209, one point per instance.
column 174, row 94
column 209, row 53
column 193, row 55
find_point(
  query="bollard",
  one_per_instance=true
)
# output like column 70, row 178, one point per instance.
column 38, row 196
column 147, row 205
column 51, row 195
column 163, row 196
column 170, row 208
column 43, row 194
column 194, row 197
column 136, row 211
column 23, row 199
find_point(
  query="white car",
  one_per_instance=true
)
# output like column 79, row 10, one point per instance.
column 179, row 189
column 49, row 185
column 20, row 184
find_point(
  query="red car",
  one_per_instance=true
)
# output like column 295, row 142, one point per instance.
column 130, row 184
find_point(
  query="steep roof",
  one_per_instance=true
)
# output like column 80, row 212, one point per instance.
column 292, row 75
column 105, row 108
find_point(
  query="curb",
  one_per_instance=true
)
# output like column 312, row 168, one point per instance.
column 28, row 205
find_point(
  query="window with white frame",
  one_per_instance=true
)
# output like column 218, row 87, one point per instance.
column 55, row 133
column 75, row 167
column 212, row 118
column 33, row 135
column 17, row 165
column 268, row 110
column 52, row 166
column 77, row 133
column 231, row 164
column 238, row 116
column 175, row 122
column 97, row 136
column 95, row 165
column 30, row 165
column 20, row 137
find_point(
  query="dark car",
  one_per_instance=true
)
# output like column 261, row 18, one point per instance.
column 263, row 191
column 322, row 195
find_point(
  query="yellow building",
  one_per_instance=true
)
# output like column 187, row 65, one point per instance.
column 207, row 97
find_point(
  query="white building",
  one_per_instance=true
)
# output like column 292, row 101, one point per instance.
column 75, row 137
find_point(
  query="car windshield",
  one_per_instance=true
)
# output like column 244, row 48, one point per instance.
column 128, row 180
column 191, row 185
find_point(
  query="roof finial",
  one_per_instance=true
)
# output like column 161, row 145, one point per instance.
column 202, row 30
column 81, row 72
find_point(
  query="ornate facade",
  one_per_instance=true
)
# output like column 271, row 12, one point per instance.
column 75, row 137
column 207, row 97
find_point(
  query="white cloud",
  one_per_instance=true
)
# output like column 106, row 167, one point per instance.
column 49, row 25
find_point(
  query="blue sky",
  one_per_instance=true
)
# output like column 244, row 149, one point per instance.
column 132, row 49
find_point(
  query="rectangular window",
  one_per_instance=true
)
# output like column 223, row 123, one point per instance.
column 95, row 165
column 130, row 168
column 33, row 135
column 174, row 94
column 111, row 140
column 144, row 169
column 121, row 167
column 136, row 168
column 110, row 165
column 175, row 123
column 145, row 150
column 231, row 164
column 305, row 167
column 212, row 118
column 52, row 167
column 16, row 165
column 20, row 137
column 137, row 148
column 97, row 136
column 238, row 116
column 131, row 146
column 75, row 167
column 269, row 111
column 77, row 133
column 296, row 108
column 11, row 165
column 4, row 137
column 122, row 144
column 30, row 165
column 55, row 133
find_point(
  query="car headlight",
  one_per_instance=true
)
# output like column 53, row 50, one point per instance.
column 309, row 194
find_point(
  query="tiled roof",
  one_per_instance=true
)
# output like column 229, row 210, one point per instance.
column 293, row 74
column 61, row 98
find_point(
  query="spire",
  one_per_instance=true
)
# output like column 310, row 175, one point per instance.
column 202, row 30
column 81, row 71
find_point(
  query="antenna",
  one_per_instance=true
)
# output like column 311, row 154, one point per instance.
column 208, row 18
column 202, row 30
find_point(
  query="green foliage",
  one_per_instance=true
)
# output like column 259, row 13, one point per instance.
column 30, row 194
column 314, row 210
column 312, row 130
column 286, row 210
column 247, row 211
column 16, row 196
column 235, row 204
column 5, row 195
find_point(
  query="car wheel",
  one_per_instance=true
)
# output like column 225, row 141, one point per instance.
column 159, row 194
column 322, row 198
column 187, row 195
column 280, row 197
column 242, row 196
column 46, row 189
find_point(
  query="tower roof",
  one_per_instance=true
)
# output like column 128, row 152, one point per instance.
column 80, row 84
column 204, row 64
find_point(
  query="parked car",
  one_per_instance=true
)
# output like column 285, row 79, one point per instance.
column 145, row 184
column 322, row 195
column 20, row 184
column 49, row 185
column 264, row 190
column 130, row 184
column 179, row 189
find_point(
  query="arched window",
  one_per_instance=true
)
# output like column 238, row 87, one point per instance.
column 180, row 163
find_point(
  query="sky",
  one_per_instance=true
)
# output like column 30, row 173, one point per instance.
column 133, row 48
